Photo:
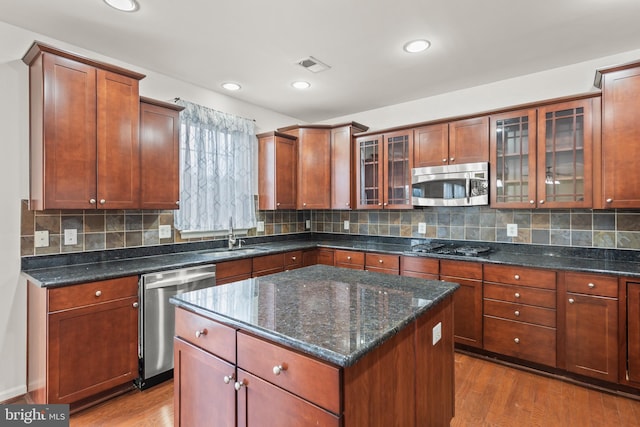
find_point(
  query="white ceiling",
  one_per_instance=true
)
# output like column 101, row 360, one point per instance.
column 258, row 43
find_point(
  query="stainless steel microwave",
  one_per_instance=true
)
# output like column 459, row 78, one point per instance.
column 451, row 185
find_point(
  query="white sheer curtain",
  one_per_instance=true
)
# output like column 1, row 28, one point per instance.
column 217, row 170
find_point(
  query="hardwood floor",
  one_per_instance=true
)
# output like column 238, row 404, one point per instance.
column 487, row 395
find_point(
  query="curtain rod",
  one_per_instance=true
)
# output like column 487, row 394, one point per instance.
column 177, row 98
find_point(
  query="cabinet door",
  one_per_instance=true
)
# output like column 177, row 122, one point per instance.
column 341, row 168
column 285, row 173
column 314, row 169
column 633, row 326
column 620, row 149
column 202, row 396
column 92, row 349
column 118, row 127
column 564, row 155
column 469, row 141
column 66, row 145
column 398, row 152
column 467, row 301
column 159, row 157
column 513, row 159
column 591, row 342
column 369, row 169
column 431, row 145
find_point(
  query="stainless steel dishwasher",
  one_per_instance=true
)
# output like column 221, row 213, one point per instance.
column 157, row 318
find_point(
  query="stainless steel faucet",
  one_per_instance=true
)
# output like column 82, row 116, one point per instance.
column 232, row 237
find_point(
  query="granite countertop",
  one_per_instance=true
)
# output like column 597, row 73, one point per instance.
column 334, row 314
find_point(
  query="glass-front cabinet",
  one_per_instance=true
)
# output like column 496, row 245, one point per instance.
column 542, row 157
column 383, row 170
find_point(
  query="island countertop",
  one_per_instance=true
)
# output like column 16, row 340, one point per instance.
column 335, row 314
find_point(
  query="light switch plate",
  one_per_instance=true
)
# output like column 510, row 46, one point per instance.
column 307, row 224
column 346, row 224
column 70, row 236
column 422, row 227
column 260, row 226
column 164, row 231
column 512, row 230
column 437, row 333
column 41, row 239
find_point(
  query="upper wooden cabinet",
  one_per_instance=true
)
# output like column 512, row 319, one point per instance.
column 617, row 181
column 383, row 170
column 84, row 132
column 277, row 155
column 462, row 141
column 342, row 165
column 543, row 157
column 159, row 154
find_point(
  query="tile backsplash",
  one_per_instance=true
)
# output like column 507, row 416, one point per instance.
column 100, row 230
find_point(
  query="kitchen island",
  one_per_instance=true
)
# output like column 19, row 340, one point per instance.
column 316, row 346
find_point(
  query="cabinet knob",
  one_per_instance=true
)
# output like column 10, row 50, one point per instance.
column 201, row 333
column 135, row 304
column 385, row 203
column 517, row 277
column 348, row 258
column 571, row 300
column 103, row 201
column 452, row 159
column 346, row 204
column 278, row 369
column 293, row 258
column 278, row 204
column 380, row 261
column 517, row 313
column 304, row 204
column 228, row 378
column 98, row 294
column 177, row 202
column 240, row 384
column 517, row 295
column 591, row 285
column 609, row 200
column 92, row 201
column 532, row 202
column 516, row 340
column 444, row 160
column 541, row 202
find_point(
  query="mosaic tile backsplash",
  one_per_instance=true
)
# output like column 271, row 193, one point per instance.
column 100, row 230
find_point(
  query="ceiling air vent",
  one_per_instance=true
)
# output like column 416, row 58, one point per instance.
column 312, row 64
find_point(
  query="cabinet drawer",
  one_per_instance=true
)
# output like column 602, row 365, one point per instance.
column 520, row 276
column 207, row 334
column 423, row 266
column 520, row 295
column 591, row 284
column 268, row 262
column 227, row 269
column 382, row 261
column 350, row 257
column 306, row 377
column 524, row 341
column 520, row 312
column 92, row 293
column 466, row 270
column 292, row 260
column 325, row 256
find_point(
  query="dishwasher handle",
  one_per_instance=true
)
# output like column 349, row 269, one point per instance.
column 179, row 280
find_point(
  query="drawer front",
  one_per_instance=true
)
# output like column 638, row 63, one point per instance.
column 591, row 284
column 384, row 261
column 302, row 375
column 520, row 295
column 207, row 334
column 268, row 262
column 466, row 270
column 528, row 342
column 420, row 265
column 520, row 276
column 350, row 266
column 425, row 276
column 349, row 257
column 235, row 268
column 92, row 293
column 292, row 260
column 325, row 256
column 521, row 313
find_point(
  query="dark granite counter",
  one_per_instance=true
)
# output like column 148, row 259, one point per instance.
column 335, row 314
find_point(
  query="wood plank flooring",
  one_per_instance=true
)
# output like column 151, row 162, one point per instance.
column 487, row 395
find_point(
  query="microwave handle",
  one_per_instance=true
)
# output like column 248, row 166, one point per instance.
column 468, row 191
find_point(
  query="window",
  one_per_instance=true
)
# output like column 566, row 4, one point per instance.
column 217, row 172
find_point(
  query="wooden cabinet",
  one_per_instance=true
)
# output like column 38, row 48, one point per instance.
column 159, row 154
column 276, row 263
column 84, row 132
column 82, row 340
column 467, row 300
column 458, row 142
column 383, row 170
column 422, row 268
column 382, row 263
column 343, row 164
column 520, row 313
column 232, row 271
column 633, row 331
column 616, row 175
column 277, row 165
column 349, row 259
column 590, row 325
column 325, row 256
column 543, row 157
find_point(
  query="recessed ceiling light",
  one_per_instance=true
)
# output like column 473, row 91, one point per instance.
column 301, row 85
column 123, row 5
column 416, row 46
column 231, row 86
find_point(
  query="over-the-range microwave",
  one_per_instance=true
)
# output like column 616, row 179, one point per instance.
column 451, row 185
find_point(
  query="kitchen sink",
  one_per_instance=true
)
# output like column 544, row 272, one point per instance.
column 224, row 252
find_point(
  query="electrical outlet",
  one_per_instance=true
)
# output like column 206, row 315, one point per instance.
column 70, row 236
column 346, row 224
column 164, row 231
column 512, row 230
column 422, row 227
column 41, row 239
column 307, row 224
column 437, row 333
column 260, row 227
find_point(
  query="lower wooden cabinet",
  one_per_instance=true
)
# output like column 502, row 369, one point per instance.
column 349, row 259
column 232, row 271
column 382, row 263
column 276, row 263
column 82, row 340
column 422, row 268
column 633, row 331
column 325, row 256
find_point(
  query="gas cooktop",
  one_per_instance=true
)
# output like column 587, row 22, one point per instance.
column 451, row 249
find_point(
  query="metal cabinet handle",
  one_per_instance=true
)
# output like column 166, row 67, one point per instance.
column 240, row 384
column 517, row 277
column 348, row 258
column 609, row 200
column 103, row 201
column 517, row 313
column 541, row 202
column 92, row 201
column 591, row 285
column 517, row 295
column 571, row 300
column 177, row 202
column 444, row 160
column 278, row 369
column 385, row 203
column 136, row 305
column 98, row 294
column 278, row 204
column 452, row 159
column 346, row 204
column 228, row 378
column 201, row 333
column 532, row 202
column 516, row 340
column 304, row 204
column 380, row 204
column 380, row 261
column 293, row 258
